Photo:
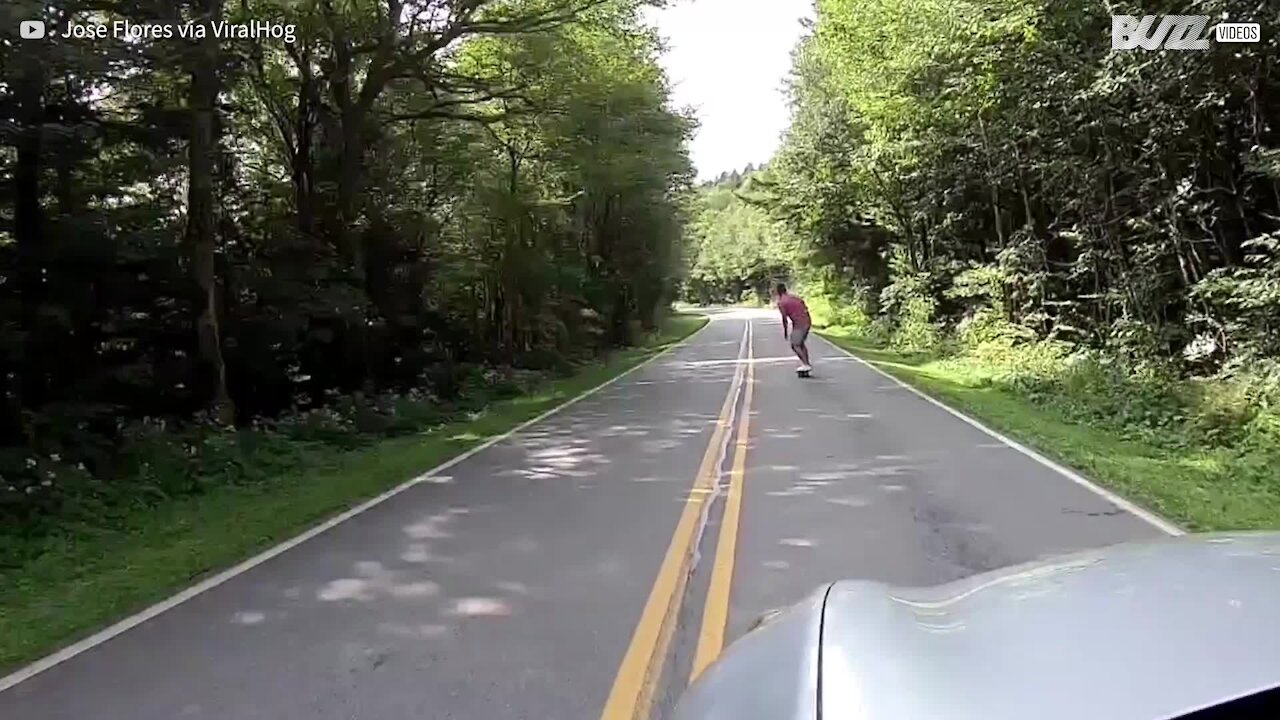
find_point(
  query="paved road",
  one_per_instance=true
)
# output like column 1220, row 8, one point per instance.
column 580, row 569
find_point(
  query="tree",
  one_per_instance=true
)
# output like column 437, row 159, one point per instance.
column 1093, row 190
column 408, row 199
column 736, row 249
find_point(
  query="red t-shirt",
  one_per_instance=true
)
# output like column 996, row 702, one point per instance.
column 794, row 309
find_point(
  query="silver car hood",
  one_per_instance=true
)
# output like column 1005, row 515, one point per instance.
column 770, row 673
column 1133, row 632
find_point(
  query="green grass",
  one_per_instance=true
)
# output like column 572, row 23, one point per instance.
column 83, row 582
column 1199, row 488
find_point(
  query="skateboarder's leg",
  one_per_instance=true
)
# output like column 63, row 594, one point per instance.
column 798, row 338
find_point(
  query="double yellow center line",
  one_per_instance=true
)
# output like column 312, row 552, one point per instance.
column 715, row 613
column 642, row 666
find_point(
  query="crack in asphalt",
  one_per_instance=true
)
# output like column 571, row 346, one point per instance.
column 720, row 485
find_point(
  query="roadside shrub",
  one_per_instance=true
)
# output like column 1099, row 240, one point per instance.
column 34, row 487
column 821, row 310
column 413, row 412
column 328, row 425
column 909, row 304
column 852, row 319
column 832, row 313
column 987, row 327
column 915, row 330
column 156, row 459
column 1221, row 411
column 1122, row 388
column 879, row 332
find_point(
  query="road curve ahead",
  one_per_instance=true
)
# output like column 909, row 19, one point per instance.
column 585, row 567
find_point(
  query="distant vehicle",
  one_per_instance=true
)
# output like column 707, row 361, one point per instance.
column 1187, row 627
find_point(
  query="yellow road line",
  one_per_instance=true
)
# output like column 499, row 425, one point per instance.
column 633, row 689
column 715, row 614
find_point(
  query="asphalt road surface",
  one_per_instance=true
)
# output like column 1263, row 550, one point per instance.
column 585, row 567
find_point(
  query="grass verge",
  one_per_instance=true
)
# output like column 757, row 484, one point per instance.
column 80, row 583
column 1199, row 488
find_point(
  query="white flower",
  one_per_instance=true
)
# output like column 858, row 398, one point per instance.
column 31, row 462
column 55, row 457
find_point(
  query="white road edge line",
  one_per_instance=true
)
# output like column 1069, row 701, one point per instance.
column 123, row 626
column 1127, row 505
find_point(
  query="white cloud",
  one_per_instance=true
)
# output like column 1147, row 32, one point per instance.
column 728, row 59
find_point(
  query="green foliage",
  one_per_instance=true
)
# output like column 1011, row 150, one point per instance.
column 736, row 251
column 998, row 156
column 828, row 312
column 401, row 228
column 1243, row 305
column 1123, row 394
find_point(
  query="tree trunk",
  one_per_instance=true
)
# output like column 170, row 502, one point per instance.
column 994, row 189
column 28, row 227
column 350, row 176
column 201, row 235
column 304, row 155
column 351, row 111
column 1030, row 220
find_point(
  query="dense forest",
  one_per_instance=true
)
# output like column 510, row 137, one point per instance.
column 734, row 248
column 201, row 239
column 1019, row 165
column 1018, row 170
column 991, row 183
column 1000, row 156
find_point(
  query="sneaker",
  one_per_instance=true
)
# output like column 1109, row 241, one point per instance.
column 805, row 368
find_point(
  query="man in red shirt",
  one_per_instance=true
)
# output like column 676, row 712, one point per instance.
column 794, row 311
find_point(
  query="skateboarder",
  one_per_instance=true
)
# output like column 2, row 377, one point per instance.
column 794, row 310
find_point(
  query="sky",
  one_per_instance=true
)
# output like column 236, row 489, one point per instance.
column 728, row 59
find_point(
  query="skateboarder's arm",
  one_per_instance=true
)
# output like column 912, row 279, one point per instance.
column 784, row 323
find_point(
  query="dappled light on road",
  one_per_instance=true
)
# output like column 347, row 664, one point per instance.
column 479, row 607
column 429, row 528
column 570, row 460
column 412, row 632
column 625, row 430
column 515, row 588
column 375, row 582
column 417, row 553
column 850, row 501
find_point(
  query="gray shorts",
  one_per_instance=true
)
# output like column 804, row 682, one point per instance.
column 799, row 335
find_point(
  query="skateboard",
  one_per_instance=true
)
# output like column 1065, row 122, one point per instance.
column 803, row 373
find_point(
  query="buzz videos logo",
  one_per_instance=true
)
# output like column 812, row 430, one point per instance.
column 31, row 29
column 1176, row 32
